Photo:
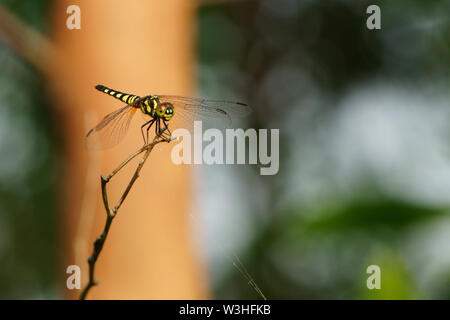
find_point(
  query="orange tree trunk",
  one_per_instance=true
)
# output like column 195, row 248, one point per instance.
column 142, row 47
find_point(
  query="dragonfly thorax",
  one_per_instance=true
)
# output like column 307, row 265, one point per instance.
column 152, row 106
column 148, row 105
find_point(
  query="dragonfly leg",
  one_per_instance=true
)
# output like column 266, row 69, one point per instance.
column 157, row 128
column 166, row 128
column 161, row 132
column 150, row 122
column 148, row 128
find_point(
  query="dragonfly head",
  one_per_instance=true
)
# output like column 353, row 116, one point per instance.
column 165, row 110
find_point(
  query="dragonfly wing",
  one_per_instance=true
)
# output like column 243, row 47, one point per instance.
column 111, row 130
column 221, row 112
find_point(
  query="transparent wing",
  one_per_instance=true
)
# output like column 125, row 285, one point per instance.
column 220, row 111
column 111, row 130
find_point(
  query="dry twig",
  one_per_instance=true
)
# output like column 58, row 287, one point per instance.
column 110, row 214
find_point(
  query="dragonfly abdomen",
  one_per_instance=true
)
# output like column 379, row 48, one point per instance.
column 124, row 97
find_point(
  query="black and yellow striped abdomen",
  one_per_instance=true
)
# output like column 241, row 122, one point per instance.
column 147, row 104
column 124, row 97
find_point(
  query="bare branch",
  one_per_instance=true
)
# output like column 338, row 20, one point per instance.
column 110, row 214
column 27, row 42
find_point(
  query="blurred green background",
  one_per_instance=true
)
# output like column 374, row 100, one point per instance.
column 29, row 167
column 364, row 159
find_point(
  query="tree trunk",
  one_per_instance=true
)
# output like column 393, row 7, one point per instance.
column 141, row 47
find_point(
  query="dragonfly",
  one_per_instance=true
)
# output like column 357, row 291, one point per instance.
column 157, row 111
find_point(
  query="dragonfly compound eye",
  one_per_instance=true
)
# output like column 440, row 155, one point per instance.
column 168, row 114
